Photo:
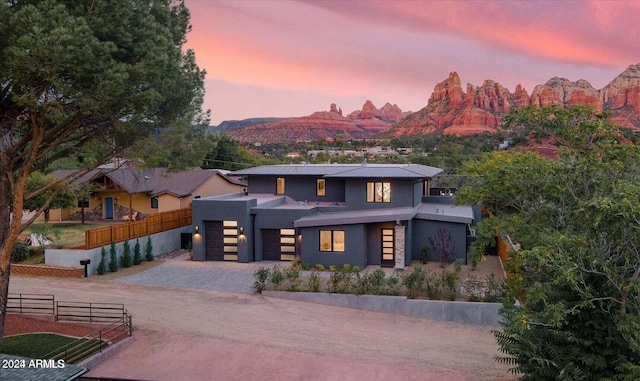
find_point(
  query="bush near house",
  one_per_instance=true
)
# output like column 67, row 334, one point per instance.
column 149, row 250
column 418, row 283
column 113, row 254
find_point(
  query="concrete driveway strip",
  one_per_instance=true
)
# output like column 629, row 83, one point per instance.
column 199, row 334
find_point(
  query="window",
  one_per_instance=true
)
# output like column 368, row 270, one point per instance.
column 388, row 238
column 332, row 240
column 83, row 203
column 320, row 187
column 154, row 203
column 280, row 185
column 230, row 240
column 287, row 244
column 378, row 192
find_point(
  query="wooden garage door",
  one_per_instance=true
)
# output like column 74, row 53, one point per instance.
column 214, row 241
column 278, row 244
column 270, row 244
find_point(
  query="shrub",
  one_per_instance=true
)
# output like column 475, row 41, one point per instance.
column 102, row 266
column 495, row 289
column 443, row 246
column 414, row 281
column 277, row 277
column 19, row 252
column 306, row 267
column 314, row 283
column 260, row 277
column 113, row 263
column 35, row 251
column 137, row 253
column 127, row 259
column 450, row 284
column 148, row 253
column 319, row 267
column 292, row 275
column 425, row 252
column 392, row 284
column 371, row 283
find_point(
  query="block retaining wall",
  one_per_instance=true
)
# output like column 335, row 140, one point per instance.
column 462, row 312
column 51, row 271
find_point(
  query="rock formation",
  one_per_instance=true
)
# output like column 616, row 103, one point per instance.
column 360, row 124
column 452, row 111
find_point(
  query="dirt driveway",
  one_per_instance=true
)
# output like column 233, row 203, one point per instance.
column 188, row 334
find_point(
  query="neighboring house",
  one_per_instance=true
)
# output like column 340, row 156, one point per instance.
column 126, row 192
column 330, row 214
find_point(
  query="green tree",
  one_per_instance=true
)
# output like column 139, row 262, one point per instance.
column 126, row 259
column 54, row 195
column 148, row 253
column 102, row 266
column 113, row 256
column 576, row 218
column 79, row 73
column 137, row 253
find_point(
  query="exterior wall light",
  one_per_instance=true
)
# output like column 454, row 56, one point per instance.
column 241, row 230
column 196, row 230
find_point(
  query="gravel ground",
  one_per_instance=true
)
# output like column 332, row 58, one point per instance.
column 190, row 334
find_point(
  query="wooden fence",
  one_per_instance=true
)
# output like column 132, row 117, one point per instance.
column 154, row 223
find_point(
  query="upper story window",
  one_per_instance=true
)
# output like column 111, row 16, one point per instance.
column 332, row 240
column 378, row 192
column 280, row 185
column 154, row 203
column 321, row 187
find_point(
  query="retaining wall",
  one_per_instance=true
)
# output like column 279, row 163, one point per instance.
column 40, row 270
column 462, row 312
column 162, row 243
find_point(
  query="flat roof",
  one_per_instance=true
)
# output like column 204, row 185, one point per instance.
column 445, row 212
column 344, row 170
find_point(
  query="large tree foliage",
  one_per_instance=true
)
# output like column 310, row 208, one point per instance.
column 56, row 196
column 76, row 73
column 578, row 221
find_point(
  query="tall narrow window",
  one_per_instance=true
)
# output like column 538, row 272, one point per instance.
column 287, row 244
column 332, row 240
column 154, row 203
column 320, row 187
column 280, row 185
column 378, row 192
column 230, row 240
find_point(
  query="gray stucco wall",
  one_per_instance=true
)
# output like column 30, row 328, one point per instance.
column 424, row 229
column 299, row 188
column 374, row 241
column 355, row 247
column 219, row 210
column 162, row 243
column 356, row 194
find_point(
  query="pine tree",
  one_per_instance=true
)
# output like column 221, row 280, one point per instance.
column 113, row 264
column 137, row 253
column 149, row 251
column 102, row 265
column 127, row 260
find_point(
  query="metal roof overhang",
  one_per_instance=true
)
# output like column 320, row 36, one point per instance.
column 355, row 217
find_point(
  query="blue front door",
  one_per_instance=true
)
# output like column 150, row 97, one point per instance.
column 108, row 208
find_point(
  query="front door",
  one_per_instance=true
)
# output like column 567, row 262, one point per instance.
column 213, row 241
column 388, row 239
column 108, row 208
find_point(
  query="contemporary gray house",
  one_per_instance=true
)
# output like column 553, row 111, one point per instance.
column 330, row 214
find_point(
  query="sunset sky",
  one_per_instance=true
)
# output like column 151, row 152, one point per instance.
column 292, row 58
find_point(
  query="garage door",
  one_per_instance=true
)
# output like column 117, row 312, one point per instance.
column 271, row 244
column 278, row 244
column 213, row 240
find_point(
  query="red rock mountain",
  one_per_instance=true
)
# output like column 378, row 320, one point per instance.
column 479, row 109
column 359, row 124
column 451, row 110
